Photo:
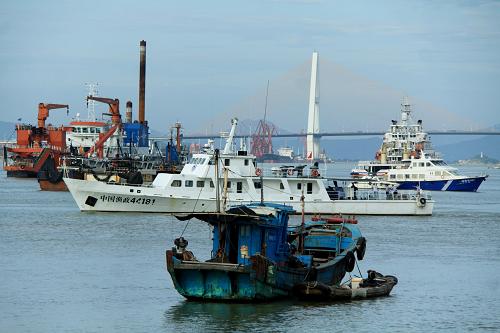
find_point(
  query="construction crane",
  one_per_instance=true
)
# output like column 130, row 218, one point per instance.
column 262, row 142
column 43, row 112
column 114, row 108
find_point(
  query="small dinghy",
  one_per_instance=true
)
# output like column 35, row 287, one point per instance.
column 375, row 285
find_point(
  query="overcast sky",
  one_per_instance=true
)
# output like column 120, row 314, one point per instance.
column 207, row 60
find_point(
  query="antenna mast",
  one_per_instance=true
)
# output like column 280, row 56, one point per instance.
column 91, row 103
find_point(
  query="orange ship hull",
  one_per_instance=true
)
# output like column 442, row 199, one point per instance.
column 46, row 185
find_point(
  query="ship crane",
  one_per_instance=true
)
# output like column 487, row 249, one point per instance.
column 114, row 112
column 114, row 108
column 43, row 111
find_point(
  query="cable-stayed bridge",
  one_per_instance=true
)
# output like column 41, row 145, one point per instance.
column 331, row 134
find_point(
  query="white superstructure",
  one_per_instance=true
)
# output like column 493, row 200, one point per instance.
column 407, row 157
column 234, row 178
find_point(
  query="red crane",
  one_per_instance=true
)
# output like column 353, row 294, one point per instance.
column 43, row 112
column 116, row 120
column 262, row 142
column 114, row 108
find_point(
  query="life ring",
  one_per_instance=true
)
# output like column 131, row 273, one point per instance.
column 361, row 248
column 314, row 173
column 290, row 172
column 422, row 201
column 258, row 172
column 22, row 167
column 350, row 261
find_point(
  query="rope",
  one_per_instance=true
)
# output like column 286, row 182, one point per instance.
column 196, row 203
column 359, row 270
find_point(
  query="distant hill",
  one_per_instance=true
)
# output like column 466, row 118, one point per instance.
column 7, row 131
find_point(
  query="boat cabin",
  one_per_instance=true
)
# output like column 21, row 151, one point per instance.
column 237, row 239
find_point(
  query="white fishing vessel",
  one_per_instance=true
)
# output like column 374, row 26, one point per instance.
column 239, row 180
column 407, row 157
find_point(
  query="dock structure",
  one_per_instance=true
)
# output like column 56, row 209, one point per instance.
column 312, row 140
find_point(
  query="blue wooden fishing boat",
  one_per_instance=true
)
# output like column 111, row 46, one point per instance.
column 256, row 256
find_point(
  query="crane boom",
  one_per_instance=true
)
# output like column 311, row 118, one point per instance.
column 100, row 143
column 114, row 108
column 43, row 111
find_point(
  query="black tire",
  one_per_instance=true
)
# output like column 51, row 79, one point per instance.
column 422, row 201
column 350, row 261
column 361, row 248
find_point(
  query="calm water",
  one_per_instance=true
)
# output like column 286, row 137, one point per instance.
column 66, row 271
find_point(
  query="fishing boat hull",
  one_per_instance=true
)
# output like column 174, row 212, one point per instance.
column 219, row 282
column 260, row 280
column 469, row 184
column 100, row 196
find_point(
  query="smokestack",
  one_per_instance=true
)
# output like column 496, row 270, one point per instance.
column 142, row 81
column 128, row 112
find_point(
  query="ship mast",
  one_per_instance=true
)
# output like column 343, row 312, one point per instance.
column 91, row 103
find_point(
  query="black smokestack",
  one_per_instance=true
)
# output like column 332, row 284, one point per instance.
column 142, row 81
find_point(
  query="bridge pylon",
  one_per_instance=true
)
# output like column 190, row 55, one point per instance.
column 312, row 141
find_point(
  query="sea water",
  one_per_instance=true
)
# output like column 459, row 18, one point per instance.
column 62, row 270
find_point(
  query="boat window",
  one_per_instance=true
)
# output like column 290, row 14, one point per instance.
column 437, row 173
column 309, row 188
column 200, row 183
column 421, row 164
column 407, row 176
column 212, row 184
column 188, row 183
column 211, row 161
column 150, row 165
column 257, row 184
column 239, row 187
column 228, row 184
column 393, row 177
column 414, row 176
column 299, row 186
column 176, row 183
column 421, row 176
column 428, row 163
column 85, row 130
column 400, row 176
column 246, row 162
column 92, row 130
column 414, row 164
column 226, row 162
column 282, row 187
column 98, row 130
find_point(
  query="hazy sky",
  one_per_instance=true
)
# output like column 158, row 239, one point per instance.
column 206, row 59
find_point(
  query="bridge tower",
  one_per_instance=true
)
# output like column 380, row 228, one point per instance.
column 313, row 149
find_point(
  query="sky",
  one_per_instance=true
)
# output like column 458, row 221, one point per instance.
column 208, row 61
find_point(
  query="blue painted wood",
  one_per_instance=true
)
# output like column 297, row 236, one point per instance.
column 253, row 256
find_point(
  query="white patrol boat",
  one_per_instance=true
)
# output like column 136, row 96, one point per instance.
column 239, row 181
column 407, row 157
